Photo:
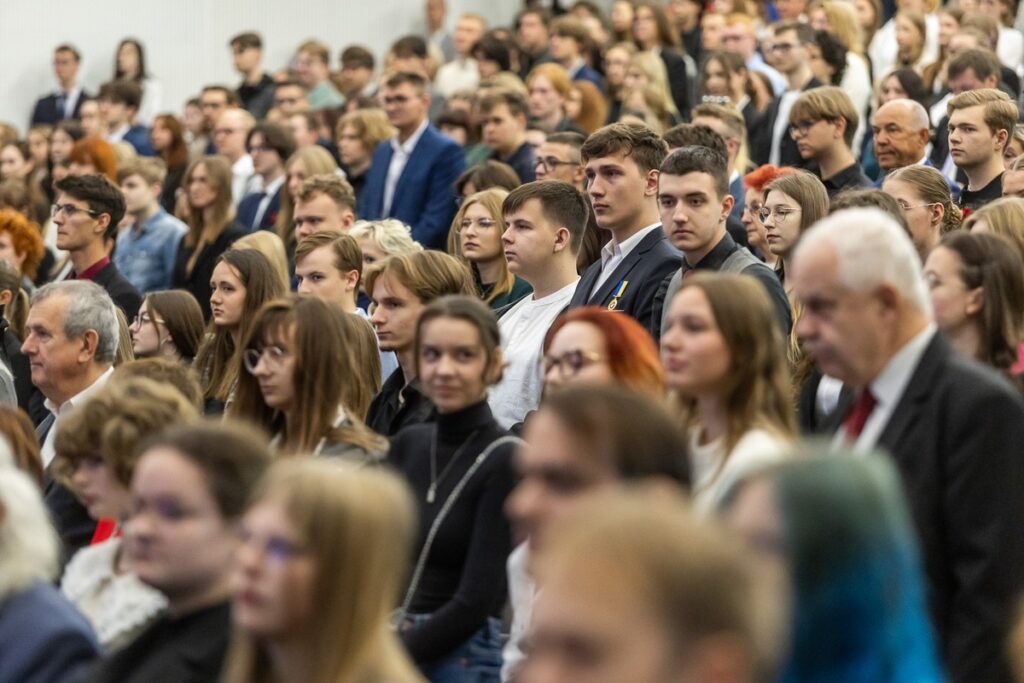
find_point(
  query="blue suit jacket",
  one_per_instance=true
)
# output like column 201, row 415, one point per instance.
column 43, row 638
column 138, row 137
column 586, row 73
column 424, row 195
column 250, row 204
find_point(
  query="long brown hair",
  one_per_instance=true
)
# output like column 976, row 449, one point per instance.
column 181, row 315
column 327, row 375
column 176, row 153
column 756, row 393
column 217, row 360
column 15, row 312
column 219, row 175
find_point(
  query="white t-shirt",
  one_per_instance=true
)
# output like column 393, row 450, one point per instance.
column 522, row 340
column 714, row 472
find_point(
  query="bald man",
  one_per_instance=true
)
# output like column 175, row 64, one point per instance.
column 229, row 137
column 901, row 134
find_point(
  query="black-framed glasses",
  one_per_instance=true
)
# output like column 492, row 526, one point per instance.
column 70, row 210
column 550, row 164
column 272, row 356
column 802, row 128
column 570, row 363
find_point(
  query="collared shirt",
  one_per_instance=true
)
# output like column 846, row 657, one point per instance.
column 92, row 271
column 850, row 177
column 47, row 450
column 268, row 195
column 786, row 101
column 145, row 253
column 324, row 96
column 399, row 405
column 71, row 98
column 461, row 74
column 243, row 178
column 523, row 329
column 118, row 133
column 613, row 253
column 400, row 153
column 888, row 388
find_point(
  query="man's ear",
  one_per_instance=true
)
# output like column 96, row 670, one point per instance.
column 102, row 223
column 728, row 201
column 89, row 343
column 651, row 183
column 563, row 239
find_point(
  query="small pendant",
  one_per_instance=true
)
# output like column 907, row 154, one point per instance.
column 430, row 494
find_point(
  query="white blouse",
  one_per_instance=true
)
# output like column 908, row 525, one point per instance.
column 714, row 472
column 119, row 606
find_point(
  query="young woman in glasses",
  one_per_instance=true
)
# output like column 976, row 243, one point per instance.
column 169, row 325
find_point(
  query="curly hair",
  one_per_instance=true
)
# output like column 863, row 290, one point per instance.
column 25, row 238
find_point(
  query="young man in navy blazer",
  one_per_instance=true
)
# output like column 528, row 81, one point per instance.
column 622, row 162
column 412, row 174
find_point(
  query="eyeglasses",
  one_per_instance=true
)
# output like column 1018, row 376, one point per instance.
column 904, row 207
column 481, row 223
column 783, row 47
column 802, row 128
column 395, row 99
column 145, row 318
column 570, row 363
column 70, row 210
column 781, row 213
column 550, row 163
column 272, row 356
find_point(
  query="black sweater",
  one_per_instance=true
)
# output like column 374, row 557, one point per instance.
column 463, row 581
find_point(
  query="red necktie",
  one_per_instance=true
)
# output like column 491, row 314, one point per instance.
column 859, row 414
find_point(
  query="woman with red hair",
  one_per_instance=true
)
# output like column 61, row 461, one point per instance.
column 755, row 182
column 92, row 155
column 595, row 345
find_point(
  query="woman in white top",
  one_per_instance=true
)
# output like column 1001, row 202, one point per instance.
column 98, row 444
column 130, row 64
column 724, row 358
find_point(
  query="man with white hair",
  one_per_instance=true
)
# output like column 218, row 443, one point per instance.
column 70, row 340
column 952, row 426
column 901, row 133
column 44, row 638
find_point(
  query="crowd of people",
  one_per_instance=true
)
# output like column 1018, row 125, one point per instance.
column 683, row 341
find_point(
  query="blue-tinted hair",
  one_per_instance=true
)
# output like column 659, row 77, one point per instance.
column 858, row 597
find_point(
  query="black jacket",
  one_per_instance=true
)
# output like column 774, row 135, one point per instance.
column 71, row 520
column 45, row 111
column 124, row 294
column 761, row 140
column 198, row 281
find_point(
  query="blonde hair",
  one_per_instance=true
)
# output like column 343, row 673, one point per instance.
column 1004, row 217
column 359, row 527
column 125, row 353
column 491, row 201
column 391, row 235
column 932, row 188
column 317, row 161
column 371, row 126
column 657, row 77
column 271, row 246
column 1000, row 111
column 843, row 24
column 28, row 544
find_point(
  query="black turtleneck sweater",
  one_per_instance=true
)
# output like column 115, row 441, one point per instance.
column 463, row 581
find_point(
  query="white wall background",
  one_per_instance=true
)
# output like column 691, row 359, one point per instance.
column 186, row 41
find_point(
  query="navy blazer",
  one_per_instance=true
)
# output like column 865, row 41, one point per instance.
column 43, row 638
column 587, row 73
column 955, row 436
column 45, row 111
column 643, row 269
column 250, row 205
column 138, row 137
column 424, row 195
column 739, row 193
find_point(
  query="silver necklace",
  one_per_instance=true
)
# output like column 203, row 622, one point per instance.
column 434, row 478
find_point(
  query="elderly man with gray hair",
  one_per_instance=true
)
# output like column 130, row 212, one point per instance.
column 901, row 132
column 953, row 427
column 70, row 340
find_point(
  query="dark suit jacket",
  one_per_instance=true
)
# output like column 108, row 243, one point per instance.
column 586, row 73
column 424, row 195
column 43, row 638
column 678, row 81
column 71, row 520
column 124, row 294
column 643, row 268
column 45, row 111
column 761, row 141
column 956, row 438
column 138, row 137
column 250, row 205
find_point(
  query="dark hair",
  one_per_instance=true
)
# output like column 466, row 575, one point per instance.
column 561, row 203
column 695, row 134
column 99, row 193
column 134, row 42
column 230, row 95
column 357, row 56
column 493, row 49
column 834, row 54
column 667, row 36
column 635, row 140
column 275, row 136
column 457, row 118
column 487, row 175
column 631, row 432
column 473, row 311
column 72, row 128
column 983, row 62
column 409, row 46
column 870, row 198
column 988, row 261
column 231, row 455
column 699, row 159
column 244, row 41
column 804, row 32
column 67, row 47
column 541, row 13
column 176, row 153
column 568, row 137
column 912, row 84
column 128, row 93
column 402, row 77
column 182, row 316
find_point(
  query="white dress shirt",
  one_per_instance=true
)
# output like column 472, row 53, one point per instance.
column 243, row 178
column 523, row 329
column 268, row 194
column 47, row 451
column 613, row 253
column 400, row 153
column 781, row 129
column 888, row 388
